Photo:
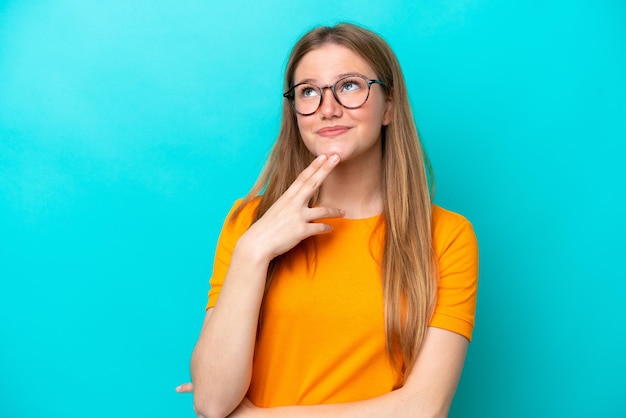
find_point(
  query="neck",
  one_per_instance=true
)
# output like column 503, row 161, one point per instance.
column 355, row 187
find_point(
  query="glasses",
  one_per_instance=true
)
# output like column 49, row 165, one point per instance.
column 350, row 91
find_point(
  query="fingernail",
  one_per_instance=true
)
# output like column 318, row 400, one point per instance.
column 321, row 157
column 334, row 158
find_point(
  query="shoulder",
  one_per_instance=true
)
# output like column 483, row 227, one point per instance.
column 237, row 222
column 451, row 231
column 241, row 215
column 444, row 219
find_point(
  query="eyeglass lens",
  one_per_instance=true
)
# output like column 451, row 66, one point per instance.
column 350, row 92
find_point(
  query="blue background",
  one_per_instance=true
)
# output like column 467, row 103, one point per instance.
column 127, row 129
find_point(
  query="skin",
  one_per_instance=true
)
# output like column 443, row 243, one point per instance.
column 346, row 172
column 359, row 135
column 355, row 183
column 221, row 362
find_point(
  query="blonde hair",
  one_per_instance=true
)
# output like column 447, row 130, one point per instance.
column 408, row 266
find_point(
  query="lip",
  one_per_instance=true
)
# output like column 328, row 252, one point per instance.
column 332, row 131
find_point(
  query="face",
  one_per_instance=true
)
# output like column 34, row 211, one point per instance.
column 353, row 134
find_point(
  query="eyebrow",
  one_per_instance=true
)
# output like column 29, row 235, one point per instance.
column 313, row 81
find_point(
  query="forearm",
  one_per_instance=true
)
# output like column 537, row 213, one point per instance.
column 221, row 362
column 399, row 403
column 428, row 391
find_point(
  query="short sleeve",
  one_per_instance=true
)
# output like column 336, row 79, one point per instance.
column 456, row 247
column 232, row 230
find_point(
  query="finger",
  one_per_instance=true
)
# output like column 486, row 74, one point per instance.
column 306, row 173
column 185, row 388
column 325, row 168
column 324, row 213
column 317, row 228
column 312, row 180
column 315, row 165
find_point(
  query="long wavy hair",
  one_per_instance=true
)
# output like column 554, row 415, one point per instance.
column 408, row 267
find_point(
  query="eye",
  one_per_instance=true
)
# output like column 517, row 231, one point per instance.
column 350, row 84
column 307, row 91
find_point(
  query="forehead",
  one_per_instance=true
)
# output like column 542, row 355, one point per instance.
column 327, row 62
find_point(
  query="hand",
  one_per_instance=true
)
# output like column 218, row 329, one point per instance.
column 290, row 219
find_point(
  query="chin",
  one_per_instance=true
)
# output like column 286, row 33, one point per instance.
column 330, row 151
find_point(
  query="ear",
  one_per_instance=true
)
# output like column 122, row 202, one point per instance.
column 387, row 116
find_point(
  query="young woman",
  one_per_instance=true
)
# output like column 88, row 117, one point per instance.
column 338, row 289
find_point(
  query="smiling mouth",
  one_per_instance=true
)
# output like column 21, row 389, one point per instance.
column 331, row 131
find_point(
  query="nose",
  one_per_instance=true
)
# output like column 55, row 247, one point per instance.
column 329, row 107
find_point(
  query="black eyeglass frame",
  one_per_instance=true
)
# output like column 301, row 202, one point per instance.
column 289, row 94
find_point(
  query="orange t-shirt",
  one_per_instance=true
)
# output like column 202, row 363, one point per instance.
column 322, row 338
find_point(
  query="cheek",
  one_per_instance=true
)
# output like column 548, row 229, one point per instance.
column 305, row 127
column 304, row 130
column 303, row 123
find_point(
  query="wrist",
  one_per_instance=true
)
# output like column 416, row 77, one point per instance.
column 248, row 249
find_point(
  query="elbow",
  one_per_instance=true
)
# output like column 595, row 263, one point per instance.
column 210, row 410
column 214, row 405
column 216, row 395
column 208, row 404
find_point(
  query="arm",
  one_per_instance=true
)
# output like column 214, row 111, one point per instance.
column 222, row 358
column 428, row 391
column 432, row 382
column 221, row 362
